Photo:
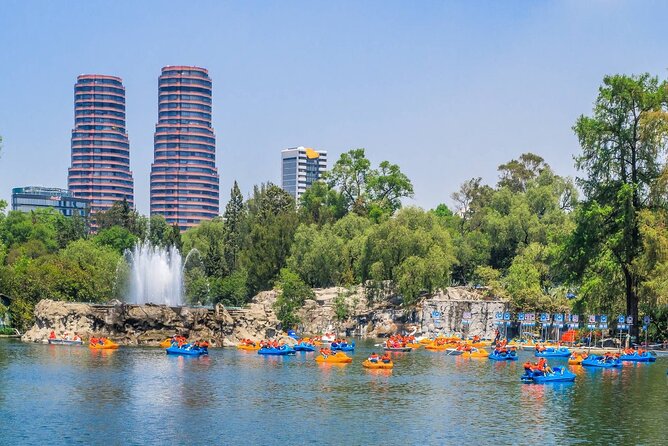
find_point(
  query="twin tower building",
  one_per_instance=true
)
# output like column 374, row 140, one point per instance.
column 184, row 177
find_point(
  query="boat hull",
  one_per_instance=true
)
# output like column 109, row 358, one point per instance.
column 554, row 353
column 276, row 351
column 64, row 342
column 377, row 365
column 186, row 352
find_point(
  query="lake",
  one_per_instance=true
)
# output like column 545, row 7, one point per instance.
column 72, row 395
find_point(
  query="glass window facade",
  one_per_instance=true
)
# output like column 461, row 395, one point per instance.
column 300, row 168
column 100, row 171
column 26, row 199
column 184, row 177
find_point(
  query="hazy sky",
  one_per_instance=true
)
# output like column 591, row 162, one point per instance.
column 447, row 90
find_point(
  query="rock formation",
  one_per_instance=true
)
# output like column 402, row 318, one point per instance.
column 149, row 324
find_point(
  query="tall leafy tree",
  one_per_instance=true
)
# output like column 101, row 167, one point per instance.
column 321, row 204
column 234, row 218
column 365, row 189
column 272, row 222
column 123, row 215
column 623, row 144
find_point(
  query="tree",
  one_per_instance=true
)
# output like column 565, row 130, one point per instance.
column 515, row 174
column 623, row 144
column 231, row 290
column 70, row 229
column 388, row 185
column 207, row 238
column 123, row 215
column 117, row 238
column 292, row 292
column 234, row 218
column 316, row 255
column 321, row 204
column 364, row 188
column 272, row 222
column 471, row 197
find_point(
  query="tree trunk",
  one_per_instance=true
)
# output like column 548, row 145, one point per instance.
column 631, row 302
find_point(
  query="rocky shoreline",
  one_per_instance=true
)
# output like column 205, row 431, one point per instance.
column 130, row 324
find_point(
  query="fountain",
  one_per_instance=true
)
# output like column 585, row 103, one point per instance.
column 156, row 275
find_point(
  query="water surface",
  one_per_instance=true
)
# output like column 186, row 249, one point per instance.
column 71, row 395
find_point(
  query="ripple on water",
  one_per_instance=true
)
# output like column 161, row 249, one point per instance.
column 142, row 396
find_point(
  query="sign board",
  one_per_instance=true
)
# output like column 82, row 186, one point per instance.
column 646, row 320
column 629, row 320
column 604, row 319
column 498, row 316
column 559, row 317
column 621, row 319
column 506, row 316
column 575, row 318
column 520, row 317
column 592, row 318
column 543, row 317
column 466, row 315
column 435, row 314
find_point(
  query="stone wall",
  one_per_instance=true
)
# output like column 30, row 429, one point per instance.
column 150, row 324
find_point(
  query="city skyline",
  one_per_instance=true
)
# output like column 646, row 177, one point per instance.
column 397, row 80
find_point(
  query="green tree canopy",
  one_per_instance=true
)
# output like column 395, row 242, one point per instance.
column 623, row 144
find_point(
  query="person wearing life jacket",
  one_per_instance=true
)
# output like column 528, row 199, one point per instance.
column 528, row 366
column 52, row 335
column 93, row 341
column 386, row 358
column 374, row 357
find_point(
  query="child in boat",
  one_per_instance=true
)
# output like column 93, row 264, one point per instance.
column 374, row 357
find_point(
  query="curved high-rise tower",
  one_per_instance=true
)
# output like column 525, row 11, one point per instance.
column 100, row 169
column 184, row 178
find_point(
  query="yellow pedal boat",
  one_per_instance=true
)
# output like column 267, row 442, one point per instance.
column 249, row 347
column 338, row 358
column 476, row 353
column 108, row 345
column 577, row 358
column 377, row 365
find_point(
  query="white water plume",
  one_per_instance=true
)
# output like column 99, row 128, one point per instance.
column 156, row 275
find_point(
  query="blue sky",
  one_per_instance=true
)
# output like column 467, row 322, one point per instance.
column 448, row 90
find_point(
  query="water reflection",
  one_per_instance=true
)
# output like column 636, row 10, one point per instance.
column 143, row 396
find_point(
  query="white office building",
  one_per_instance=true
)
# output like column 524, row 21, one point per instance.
column 301, row 167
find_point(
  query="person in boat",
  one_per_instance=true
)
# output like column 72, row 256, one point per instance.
column 52, row 335
column 386, row 358
column 93, row 341
column 476, row 338
column 497, row 336
column 374, row 357
column 325, row 352
column 528, row 366
column 543, row 366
